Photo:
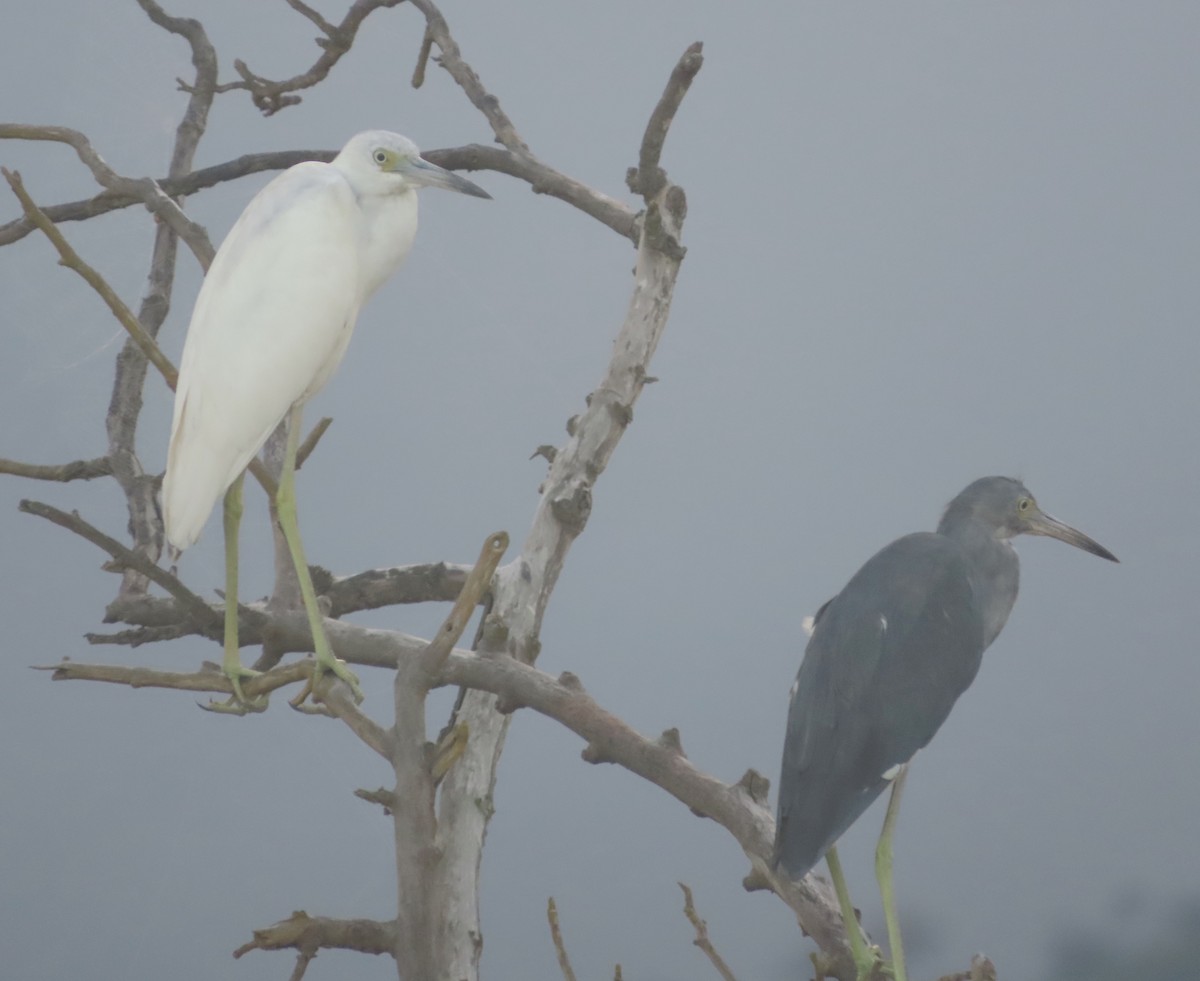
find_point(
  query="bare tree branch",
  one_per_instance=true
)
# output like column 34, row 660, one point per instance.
column 133, row 190
column 71, row 259
column 207, row 619
column 310, row 933
column 480, row 578
column 270, row 97
column 541, row 178
column 451, row 59
column 101, row 466
column 311, row 440
column 337, row 698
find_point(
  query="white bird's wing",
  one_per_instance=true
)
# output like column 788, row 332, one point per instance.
column 271, row 323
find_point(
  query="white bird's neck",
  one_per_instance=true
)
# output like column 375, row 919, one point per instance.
column 390, row 225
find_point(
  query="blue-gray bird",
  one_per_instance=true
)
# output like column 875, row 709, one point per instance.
column 888, row 658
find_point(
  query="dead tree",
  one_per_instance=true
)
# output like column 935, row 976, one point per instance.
column 435, row 801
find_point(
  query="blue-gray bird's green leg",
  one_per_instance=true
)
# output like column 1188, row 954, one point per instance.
column 864, row 959
column 285, row 507
column 883, row 872
column 231, row 663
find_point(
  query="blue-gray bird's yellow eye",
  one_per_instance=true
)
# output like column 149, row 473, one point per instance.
column 1025, row 504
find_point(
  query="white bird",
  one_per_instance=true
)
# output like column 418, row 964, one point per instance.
column 271, row 322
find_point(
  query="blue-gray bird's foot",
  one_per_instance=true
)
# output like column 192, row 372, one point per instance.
column 238, row 703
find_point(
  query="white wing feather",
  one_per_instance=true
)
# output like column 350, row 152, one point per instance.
column 272, row 321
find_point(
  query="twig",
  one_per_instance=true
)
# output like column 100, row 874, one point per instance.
column 148, row 346
column 418, row 75
column 369, row 590
column 139, row 636
column 209, row 679
column 303, row 959
column 70, row 258
column 337, row 698
column 311, row 441
column 564, row 962
column 384, row 798
column 479, row 579
column 702, row 941
column 101, row 466
column 452, row 60
column 143, row 190
column 270, row 96
column 649, row 178
column 327, row 28
column 310, row 933
column 209, row 620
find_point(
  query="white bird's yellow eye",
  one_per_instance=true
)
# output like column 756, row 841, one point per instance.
column 381, row 157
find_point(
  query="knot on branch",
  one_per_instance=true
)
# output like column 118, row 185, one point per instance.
column 622, row 413
column 757, row 881
column 570, row 682
column 755, row 786
column 594, row 753
column 573, row 509
column 670, row 741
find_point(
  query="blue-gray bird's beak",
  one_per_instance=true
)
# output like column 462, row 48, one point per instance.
column 421, row 172
column 1041, row 523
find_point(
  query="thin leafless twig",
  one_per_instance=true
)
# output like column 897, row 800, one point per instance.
column 480, row 578
column 564, row 962
column 208, row 619
column 702, row 939
column 271, row 96
column 311, row 441
column 71, row 259
column 143, row 190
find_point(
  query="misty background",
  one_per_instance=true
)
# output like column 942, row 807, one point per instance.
column 927, row 242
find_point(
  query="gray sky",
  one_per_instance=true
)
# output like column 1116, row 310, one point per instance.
column 926, row 243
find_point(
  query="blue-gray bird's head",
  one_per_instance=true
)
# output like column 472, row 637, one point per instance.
column 1005, row 508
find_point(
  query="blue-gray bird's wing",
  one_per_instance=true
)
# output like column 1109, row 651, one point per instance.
column 888, row 657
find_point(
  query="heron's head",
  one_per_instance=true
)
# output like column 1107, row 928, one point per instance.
column 383, row 162
column 1006, row 508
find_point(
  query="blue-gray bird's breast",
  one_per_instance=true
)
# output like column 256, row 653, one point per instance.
column 995, row 572
column 889, row 656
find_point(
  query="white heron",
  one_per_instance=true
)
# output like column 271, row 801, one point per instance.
column 271, row 322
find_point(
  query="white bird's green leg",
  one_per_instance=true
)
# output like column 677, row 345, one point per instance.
column 231, row 663
column 285, row 507
column 865, row 959
column 883, row 872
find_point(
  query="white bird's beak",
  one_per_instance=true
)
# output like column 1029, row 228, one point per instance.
column 421, row 172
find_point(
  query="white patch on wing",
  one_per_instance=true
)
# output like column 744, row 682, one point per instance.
column 882, row 623
column 808, row 623
column 792, row 690
column 892, row 772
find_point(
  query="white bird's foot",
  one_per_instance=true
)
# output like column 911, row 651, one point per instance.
column 872, row 965
column 335, row 666
column 238, row 703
